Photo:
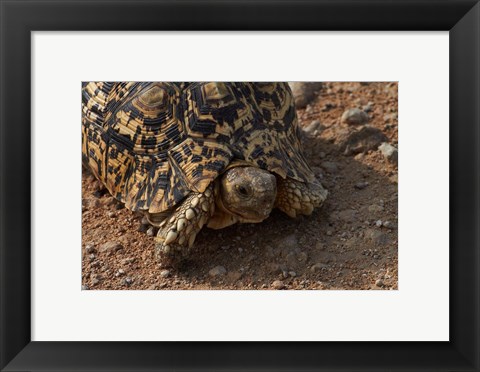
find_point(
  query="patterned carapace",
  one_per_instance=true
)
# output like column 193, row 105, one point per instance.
column 151, row 144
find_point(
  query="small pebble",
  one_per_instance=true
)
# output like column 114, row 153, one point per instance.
column 355, row 117
column 379, row 223
column 347, row 215
column 318, row 267
column 110, row 247
column 217, row 271
column 388, row 225
column 85, row 288
column 151, row 231
column 293, row 274
column 278, row 284
column 329, row 167
column 127, row 281
column 368, row 107
column 363, row 140
column 361, row 185
column 389, row 152
column 304, row 93
column 234, row 276
column 313, row 128
column 379, row 283
column 165, row 273
column 111, row 214
column 90, row 248
column 390, row 117
column 359, row 156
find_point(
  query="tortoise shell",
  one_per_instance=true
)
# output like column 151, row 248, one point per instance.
column 153, row 143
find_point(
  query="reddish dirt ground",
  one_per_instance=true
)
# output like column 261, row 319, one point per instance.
column 349, row 243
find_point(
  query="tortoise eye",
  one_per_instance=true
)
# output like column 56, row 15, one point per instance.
column 244, row 191
column 155, row 96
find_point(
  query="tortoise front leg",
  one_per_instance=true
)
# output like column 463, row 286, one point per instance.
column 295, row 197
column 177, row 232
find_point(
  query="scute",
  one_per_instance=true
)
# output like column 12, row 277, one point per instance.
column 200, row 161
column 151, row 144
column 155, row 97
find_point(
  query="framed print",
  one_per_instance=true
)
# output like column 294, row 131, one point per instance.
column 276, row 262
column 190, row 116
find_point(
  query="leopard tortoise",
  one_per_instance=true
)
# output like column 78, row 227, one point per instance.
column 193, row 154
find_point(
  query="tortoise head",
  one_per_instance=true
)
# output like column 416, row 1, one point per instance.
column 248, row 193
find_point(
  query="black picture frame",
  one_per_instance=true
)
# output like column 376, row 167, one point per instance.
column 19, row 18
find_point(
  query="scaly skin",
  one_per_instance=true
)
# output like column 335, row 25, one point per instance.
column 177, row 232
column 295, row 197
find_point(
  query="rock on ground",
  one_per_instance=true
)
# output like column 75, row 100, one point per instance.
column 363, row 140
column 304, row 93
column 110, row 247
column 389, row 152
column 355, row 117
column 217, row 271
column 278, row 284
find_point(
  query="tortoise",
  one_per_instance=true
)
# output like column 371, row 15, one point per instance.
column 188, row 155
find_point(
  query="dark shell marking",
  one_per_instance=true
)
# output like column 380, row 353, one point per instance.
column 153, row 143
